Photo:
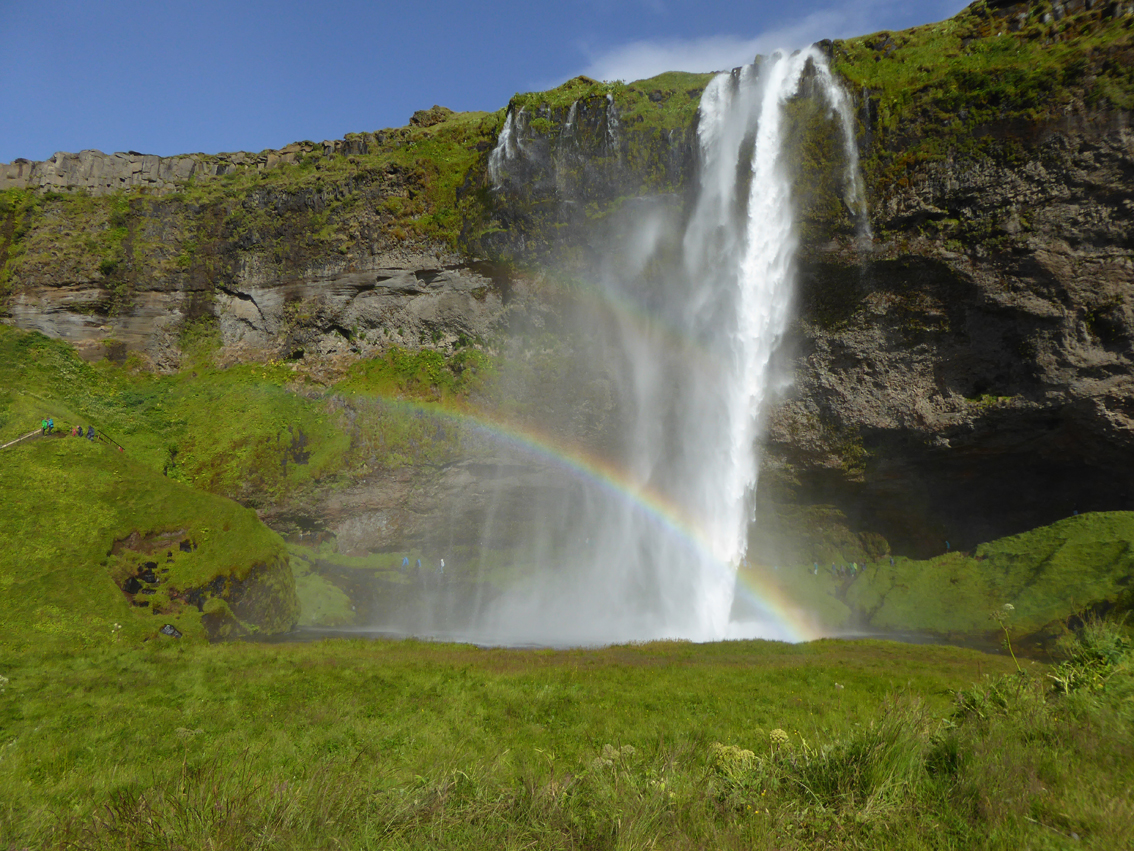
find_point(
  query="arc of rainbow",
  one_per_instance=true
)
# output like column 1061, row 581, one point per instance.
column 658, row 508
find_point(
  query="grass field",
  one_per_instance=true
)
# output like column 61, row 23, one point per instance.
column 668, row 745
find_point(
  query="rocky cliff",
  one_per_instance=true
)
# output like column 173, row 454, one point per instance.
column 964, row 375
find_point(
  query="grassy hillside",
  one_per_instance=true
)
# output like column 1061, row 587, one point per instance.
column 1048, row 575
column 80, row 519
column 261, row 433
column 984, row 83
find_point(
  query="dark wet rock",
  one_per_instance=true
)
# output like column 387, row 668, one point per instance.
column 170, row 630
column 132, row 585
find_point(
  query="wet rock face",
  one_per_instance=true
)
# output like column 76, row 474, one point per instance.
column 972, row 377
column 555, row 173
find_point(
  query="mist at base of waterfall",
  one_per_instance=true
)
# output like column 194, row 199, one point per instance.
column 639, row 400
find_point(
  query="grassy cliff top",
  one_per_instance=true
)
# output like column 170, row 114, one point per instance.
column 985, row 82
column 995, row 73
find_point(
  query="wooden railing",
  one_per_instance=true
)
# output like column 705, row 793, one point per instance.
column 37, row 433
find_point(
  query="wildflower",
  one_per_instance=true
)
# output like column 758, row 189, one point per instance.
column 779, row 737
column 731, row 762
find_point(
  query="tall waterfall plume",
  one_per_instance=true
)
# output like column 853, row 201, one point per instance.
column 646, row 543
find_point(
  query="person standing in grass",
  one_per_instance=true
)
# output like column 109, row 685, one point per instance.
column 44, row 425
column 90, row 432
column 50, row 425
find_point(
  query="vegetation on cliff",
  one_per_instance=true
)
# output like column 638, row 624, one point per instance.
column 261, row 433
column 984, row 83
column 1051, row 576
column 987, row 82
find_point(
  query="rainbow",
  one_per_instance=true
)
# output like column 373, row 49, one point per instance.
column 664, row 514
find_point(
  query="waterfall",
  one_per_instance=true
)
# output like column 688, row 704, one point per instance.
column 693, row 301
column 740, row 248
column 507, row 148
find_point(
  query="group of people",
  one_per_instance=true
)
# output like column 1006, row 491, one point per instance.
column 48, row 425
column 842, row 570
column 422, row 574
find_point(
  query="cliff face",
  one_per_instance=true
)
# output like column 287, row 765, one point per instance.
column 965, row 376
column 958, row 389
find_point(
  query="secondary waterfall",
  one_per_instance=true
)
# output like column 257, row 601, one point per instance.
column 646, row 544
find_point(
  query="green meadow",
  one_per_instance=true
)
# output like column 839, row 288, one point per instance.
column 372, row 744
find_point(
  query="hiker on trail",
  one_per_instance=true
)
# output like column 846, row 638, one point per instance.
column 405, row 563
column 50, row 425
column 441, row 571
column 45, row 425
column 90, row 432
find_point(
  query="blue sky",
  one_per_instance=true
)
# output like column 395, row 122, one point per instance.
column 183, row 76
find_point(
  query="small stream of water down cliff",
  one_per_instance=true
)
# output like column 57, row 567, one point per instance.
column 647, row 544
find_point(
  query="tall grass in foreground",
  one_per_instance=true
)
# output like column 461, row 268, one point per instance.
column 458, row 748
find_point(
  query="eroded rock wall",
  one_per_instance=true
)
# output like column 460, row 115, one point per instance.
column 970, row 375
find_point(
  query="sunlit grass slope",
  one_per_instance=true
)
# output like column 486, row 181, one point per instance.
column 982, row 82
column 1049, row 574
column 260, row 433
column 405, row 745
column 68, row 501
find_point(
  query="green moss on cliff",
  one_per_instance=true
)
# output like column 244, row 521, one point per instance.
column 261, row 433
column 984, row 80
column 291, row 211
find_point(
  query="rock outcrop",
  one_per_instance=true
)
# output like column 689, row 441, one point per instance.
column 101, row 174
column 337, row 309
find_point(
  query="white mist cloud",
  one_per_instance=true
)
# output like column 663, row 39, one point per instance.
column 641, row 59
